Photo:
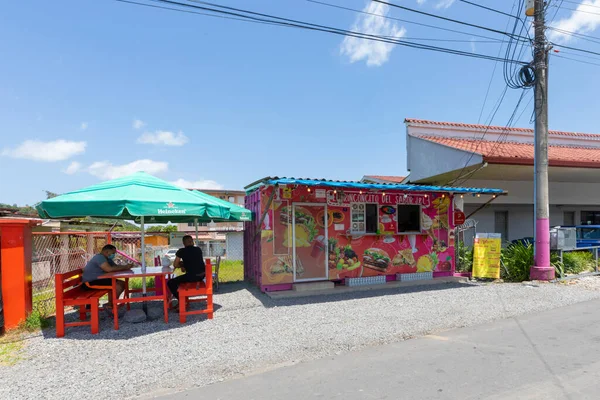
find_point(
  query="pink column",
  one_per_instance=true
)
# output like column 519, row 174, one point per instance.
column 542, row 270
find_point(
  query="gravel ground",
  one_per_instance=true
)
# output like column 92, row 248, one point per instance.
column 251, row 333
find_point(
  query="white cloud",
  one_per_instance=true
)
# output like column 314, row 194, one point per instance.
column 578, row 22
column 163, row 138
column 421, row 2
column 373, row 52
column 106, row 170
column 444, row 4
column 84, row 126
column 73, row 168
column 138, row 124
column 473, row 47
column 202, row 184
column 36, row 150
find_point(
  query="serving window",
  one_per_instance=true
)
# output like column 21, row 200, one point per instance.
column 409, row 218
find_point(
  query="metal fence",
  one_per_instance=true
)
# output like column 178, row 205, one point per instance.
column 589, row 268
column 60, row 252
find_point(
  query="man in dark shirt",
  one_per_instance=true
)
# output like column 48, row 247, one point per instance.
column 191, row 261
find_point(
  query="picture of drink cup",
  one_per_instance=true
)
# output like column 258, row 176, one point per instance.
column 412, row 240
column 318, row 246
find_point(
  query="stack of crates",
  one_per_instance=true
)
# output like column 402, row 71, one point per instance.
column 367, row 280
column 417, row 276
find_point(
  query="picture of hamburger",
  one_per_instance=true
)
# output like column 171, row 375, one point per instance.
column 376, row 259
column 303, row 216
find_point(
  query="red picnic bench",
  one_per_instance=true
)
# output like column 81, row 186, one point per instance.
column 70, row 293
column 196, row 289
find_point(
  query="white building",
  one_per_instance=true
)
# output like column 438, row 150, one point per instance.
column 457, row 154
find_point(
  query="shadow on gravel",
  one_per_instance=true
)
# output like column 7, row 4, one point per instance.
column 127, row 330
column 356, row 295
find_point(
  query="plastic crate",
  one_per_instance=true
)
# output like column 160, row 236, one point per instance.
column 367, row 280
column 417, row 276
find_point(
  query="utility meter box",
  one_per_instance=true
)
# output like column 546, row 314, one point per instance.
column 563, row 238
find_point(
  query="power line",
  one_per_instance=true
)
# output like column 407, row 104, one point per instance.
column 398, row 19
column 487, row 92
column 575, row 49
column 576, row 60
column 579, row 4
column 265, row 18
column 488, row 8
column 580, row 11
column 447, row 19
column 593, row 39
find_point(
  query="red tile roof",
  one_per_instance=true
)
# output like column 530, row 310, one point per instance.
column 497, row 128
column 386, row 178
column 522, row 153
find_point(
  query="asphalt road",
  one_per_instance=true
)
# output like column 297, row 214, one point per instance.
column 551, row 355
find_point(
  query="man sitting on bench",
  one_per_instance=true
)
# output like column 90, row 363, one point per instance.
column 101, row 264
column 192, row 264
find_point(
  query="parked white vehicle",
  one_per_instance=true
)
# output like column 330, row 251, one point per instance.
column 170, row 254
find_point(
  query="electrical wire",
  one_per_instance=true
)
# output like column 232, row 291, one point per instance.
column 593, row 39
column 310, row 26
column 580, row 4
column 576, row 60
column 448, row 19
column 487, row 92
column 398, row 19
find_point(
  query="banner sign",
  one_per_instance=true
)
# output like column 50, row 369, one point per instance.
column 486, row 255
column 338, row 198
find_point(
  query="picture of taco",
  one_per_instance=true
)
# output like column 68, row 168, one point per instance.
column 305, row 225
column 281, row 265
column 404, row 257
column 376, row 259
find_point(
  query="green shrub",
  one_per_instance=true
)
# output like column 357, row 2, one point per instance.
column 576, row 262
column 517, row 260
column 464, row 256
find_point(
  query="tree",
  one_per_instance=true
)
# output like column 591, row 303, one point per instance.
column 162, row 228
column 50, row 195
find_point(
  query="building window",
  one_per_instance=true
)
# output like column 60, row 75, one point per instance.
column 231, row 199
column 590, row 218
column 501, row 223
column 409, row 218
column 569, row 218
column 364, row 218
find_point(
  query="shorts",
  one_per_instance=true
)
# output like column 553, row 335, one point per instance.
column 97, row 284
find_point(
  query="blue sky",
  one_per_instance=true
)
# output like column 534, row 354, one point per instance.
column 90, row 90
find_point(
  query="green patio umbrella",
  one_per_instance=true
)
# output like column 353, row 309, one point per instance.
column 140, row 197
column 136, row 197
column 237, row 212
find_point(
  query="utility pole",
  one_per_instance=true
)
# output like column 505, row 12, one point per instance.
column 541, row 270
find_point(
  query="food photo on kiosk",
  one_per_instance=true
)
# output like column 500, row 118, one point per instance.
column 318, row 230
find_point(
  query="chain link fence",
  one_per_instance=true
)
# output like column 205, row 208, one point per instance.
column 61, row 252
column 55, row 253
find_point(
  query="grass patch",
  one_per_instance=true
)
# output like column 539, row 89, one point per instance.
column 36, row 321
column 231, row 271
column 136, row 283
column 11, row 349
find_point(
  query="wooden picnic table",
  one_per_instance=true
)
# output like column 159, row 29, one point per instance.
column 137, row 273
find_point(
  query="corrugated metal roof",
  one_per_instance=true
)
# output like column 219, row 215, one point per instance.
column 367, row 186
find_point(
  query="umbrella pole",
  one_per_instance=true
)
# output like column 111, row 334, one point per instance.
column 196, row 225
column 144, row 305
